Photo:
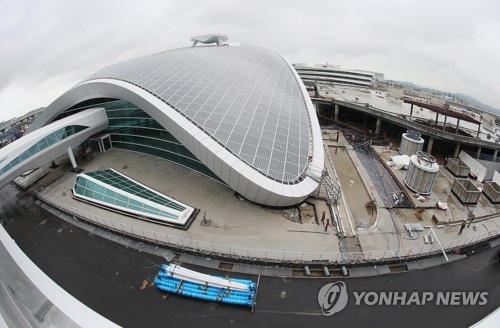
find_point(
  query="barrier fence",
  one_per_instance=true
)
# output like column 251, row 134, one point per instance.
column 253, row 254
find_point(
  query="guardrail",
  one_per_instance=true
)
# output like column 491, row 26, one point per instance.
column 253, row 254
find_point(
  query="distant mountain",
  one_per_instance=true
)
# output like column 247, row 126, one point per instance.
column 403, row 84
column 477, row 103
column 458, row 96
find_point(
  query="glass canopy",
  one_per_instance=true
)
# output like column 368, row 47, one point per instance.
column 113, row 189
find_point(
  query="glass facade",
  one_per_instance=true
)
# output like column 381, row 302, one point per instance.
column 49, row 140
column 130, row 128
column 129, row 196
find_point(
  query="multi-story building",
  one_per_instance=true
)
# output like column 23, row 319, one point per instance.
column 333, row 74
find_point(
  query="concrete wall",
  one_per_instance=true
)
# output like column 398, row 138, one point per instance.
column 496, row 177
column 475, row 167
column 491, row 168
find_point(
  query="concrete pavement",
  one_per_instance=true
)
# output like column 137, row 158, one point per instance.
column 230, row 221
column 239, row 228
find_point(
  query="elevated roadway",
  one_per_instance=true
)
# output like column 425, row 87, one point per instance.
column 432, row 133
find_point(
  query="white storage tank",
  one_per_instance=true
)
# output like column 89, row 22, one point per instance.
column 422, row 173
column 411, row 142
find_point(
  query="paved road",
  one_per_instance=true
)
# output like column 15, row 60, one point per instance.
column 107, row 277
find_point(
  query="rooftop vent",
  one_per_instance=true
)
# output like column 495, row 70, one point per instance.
column 422, row 172
column 411, row 143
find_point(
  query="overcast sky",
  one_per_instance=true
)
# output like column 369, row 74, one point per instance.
column 48, row 46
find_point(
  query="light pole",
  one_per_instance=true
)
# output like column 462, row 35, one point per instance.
column 439, row 243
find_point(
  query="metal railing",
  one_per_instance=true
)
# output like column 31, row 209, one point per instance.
column 253, row 254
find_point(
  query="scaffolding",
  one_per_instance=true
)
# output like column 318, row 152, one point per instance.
column 333, row 190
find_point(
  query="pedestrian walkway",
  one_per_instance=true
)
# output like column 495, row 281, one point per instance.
column 230, row 222
column 229, row 225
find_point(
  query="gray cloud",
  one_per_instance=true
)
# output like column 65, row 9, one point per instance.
column 49, row 46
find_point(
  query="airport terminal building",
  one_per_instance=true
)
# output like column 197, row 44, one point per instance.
column 238, row 114
column 333, row 74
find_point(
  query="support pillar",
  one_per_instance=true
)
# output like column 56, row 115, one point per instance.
column 478, row 152
column 429, row 145
column 478, row 130
column 495, row 153
column 457, row 150
column 444, row 124
column 337, row 111
column 72, row 159
column 436, row 123
column 377, row 126
column 458, row 123
column 411, row 111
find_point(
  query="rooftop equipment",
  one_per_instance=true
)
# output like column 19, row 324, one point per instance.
column 457, row 167
column 466, row 191
column 411, row 143
column 422, row 173
column 492, row 191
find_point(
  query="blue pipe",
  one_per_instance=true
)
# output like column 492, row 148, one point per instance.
column 169, row 284
column 209, row 292
column 215, row 298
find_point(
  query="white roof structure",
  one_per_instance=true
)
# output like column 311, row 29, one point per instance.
column 241, row 110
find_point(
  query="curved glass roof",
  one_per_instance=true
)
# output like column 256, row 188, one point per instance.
column 246, row 98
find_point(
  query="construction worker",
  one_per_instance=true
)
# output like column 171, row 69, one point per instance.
column 464, row 222
column 471, row 218
column 327, row 224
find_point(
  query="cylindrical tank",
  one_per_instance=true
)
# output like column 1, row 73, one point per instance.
column 422, row 172
column 411, row 142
